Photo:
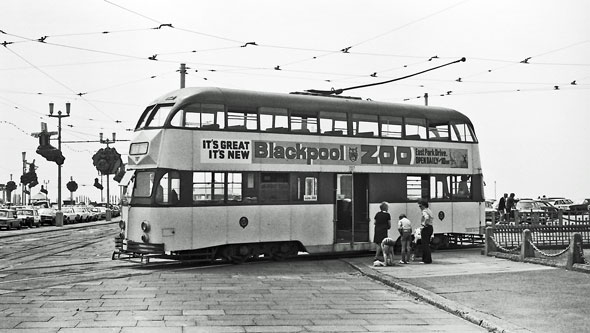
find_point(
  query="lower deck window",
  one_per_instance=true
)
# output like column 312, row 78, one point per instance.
column 208, row 187
column 274, row 187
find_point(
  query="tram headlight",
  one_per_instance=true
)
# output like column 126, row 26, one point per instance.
column 145, row 226
column 145, row 238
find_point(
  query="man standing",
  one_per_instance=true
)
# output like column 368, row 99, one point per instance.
column 510, row 203
column 502, row 207
column 427, row 230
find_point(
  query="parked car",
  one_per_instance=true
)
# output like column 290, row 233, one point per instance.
column 29, row 217
column 490, row 211
column 70, row 216
column 582, row 207
column 46, row 212
column 561, row 203
column 530, row 210
column 550, row 210
column 9, row 219
column 83, row 213
column 101, row 212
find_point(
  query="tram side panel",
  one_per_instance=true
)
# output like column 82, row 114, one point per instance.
column 313, row 225
column 171, row 227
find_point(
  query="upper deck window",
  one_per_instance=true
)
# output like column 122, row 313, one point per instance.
column 438, row 131
column 366, row 125
column 304, row 122
column 204, row 116
column 242, row 120
column 415, row 128
column 333, row 123
column 155, row 117
column 462, row 133
column 273, row 119
column 391, row 127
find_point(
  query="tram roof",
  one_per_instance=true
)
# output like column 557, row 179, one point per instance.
column 305, row 102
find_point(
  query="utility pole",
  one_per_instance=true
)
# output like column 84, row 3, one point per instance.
column 182, row 75
column 23, row 198
column 426, row 99
column 59, row 214
column 107, row 142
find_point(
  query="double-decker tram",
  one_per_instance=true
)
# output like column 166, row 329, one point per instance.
column 231, row 174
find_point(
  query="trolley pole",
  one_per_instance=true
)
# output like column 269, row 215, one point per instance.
column 59, row 214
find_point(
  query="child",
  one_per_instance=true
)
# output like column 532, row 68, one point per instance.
column 405, row 230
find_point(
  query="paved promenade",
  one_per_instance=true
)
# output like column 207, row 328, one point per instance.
column 497, row 294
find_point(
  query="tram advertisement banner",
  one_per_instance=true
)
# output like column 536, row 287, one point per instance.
column 281, row 152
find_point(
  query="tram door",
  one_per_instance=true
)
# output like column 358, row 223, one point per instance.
column 352, row 208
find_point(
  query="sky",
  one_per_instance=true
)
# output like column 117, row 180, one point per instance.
column 525, row 83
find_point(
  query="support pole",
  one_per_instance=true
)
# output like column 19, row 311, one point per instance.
column 490, row 246
column 575, row 254
column 526, row 249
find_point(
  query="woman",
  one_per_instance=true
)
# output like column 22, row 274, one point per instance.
column 427, row 230
column 382, row 224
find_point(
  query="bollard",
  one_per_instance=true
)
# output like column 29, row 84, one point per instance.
column 526, row 249
column 575, row 254
column 489, row 245
column 59, row 218
column 108, row 215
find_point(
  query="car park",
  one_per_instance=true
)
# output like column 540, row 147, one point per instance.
column 9, row 219
column 28, row 216
column 582, row 207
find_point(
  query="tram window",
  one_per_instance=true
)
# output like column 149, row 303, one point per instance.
column 158, row 116
column 462, row 133
column 417, row 187
column 391, row 127
column 311, row 189
column 415, row 128
column 168, row 189
column 208, row 187
column 439, row 187
column 366, row 125
column 461, row 186
column 437, row 131
column 304, row 122
column 205, row 116
column 144, row 182
column 274, row 187
column 333, row 123
column 234, row 186
column 242, row 120
column 273, row 119
column 144, row 117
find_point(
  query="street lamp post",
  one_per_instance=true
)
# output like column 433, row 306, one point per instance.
column 23, row 198
column 59, row 220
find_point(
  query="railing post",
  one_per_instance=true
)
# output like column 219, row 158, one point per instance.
column 575, row 252
column 489, row 246
column 516, row 217
column 560, row 216
column 526, row 249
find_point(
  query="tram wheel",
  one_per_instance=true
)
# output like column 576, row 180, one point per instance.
column 240, row 254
